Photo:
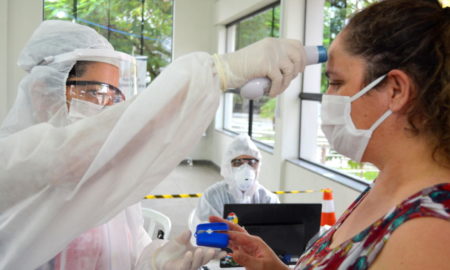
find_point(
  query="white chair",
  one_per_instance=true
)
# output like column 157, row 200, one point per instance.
column 156, row 224
column 193, row 220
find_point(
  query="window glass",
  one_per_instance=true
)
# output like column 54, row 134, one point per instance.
column 263, row 128
column 257, row 117
column 136, row 27
column 314, row 146
column 236, row 113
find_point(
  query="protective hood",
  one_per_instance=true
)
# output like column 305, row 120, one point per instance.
column 241, row 145
column 49, row 55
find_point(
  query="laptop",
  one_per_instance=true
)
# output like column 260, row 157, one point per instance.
column 285, row 227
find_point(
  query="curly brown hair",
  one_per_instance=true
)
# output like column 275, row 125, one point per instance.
column 413, row 36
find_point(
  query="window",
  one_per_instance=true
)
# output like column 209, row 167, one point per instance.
column 142, row 28
column 314, row 146
column 445, row 3
column 255, row 117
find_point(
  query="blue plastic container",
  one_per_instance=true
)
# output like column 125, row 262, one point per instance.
column 208, row 235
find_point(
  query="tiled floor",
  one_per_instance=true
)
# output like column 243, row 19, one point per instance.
column 184, row 179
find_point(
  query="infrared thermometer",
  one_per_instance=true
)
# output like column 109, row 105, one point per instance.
column 259, row 87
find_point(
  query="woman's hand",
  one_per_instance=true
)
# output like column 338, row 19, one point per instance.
column 231, row 225
column 253, row 253
column 250, row 251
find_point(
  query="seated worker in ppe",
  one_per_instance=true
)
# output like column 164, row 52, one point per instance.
column 73, row 168
column 240, row 169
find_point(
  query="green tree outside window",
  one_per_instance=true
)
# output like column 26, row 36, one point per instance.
column 137, row 27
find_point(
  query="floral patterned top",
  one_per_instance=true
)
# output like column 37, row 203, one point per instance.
column 360, row 251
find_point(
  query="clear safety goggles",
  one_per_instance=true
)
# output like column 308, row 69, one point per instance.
column 237, row 162
column 125, row 62
column 96, row 92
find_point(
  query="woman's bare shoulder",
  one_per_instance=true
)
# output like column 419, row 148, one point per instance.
column 420, row 243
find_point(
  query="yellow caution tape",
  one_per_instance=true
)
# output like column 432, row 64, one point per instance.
column 197, row 195
column 295, row 191
column 173, row 196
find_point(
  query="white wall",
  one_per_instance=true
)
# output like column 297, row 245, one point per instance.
column 193, row 27
column 3, row 54
column 19, row 19
column 297, row 178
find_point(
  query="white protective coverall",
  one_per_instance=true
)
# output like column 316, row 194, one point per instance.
column 227, row 190
column 64, row 178
column 60, row 179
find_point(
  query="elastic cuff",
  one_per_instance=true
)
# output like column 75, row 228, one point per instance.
column 221, row 72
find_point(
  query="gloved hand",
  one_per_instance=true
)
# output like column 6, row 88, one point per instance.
column 178, row 254
column 280, row 60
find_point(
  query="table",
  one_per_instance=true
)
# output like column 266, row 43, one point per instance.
column 214, row 265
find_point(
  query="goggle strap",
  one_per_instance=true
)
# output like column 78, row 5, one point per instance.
column 247, row 159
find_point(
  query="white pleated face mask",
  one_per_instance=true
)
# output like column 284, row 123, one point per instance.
column 245, row 177
column 338, row 126
column 80, row 109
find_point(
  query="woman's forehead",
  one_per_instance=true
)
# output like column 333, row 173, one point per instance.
column 341, row 62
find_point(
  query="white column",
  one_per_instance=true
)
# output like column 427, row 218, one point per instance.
column 19, row 19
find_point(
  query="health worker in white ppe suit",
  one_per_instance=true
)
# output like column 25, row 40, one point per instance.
column 73, row 168
column 240, row 169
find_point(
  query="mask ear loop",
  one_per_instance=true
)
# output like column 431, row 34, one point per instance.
column 380, row 120
column 367, row 88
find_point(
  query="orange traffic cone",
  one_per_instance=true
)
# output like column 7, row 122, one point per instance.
column 328, row 216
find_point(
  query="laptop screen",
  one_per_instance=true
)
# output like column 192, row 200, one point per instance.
column 285, row 227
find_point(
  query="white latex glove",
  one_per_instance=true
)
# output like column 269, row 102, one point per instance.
column 178, row 254
column 280, row 60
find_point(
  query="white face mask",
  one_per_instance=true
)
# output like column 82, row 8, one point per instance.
column 338, row 127
column 245, row 177
column 80, row 109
